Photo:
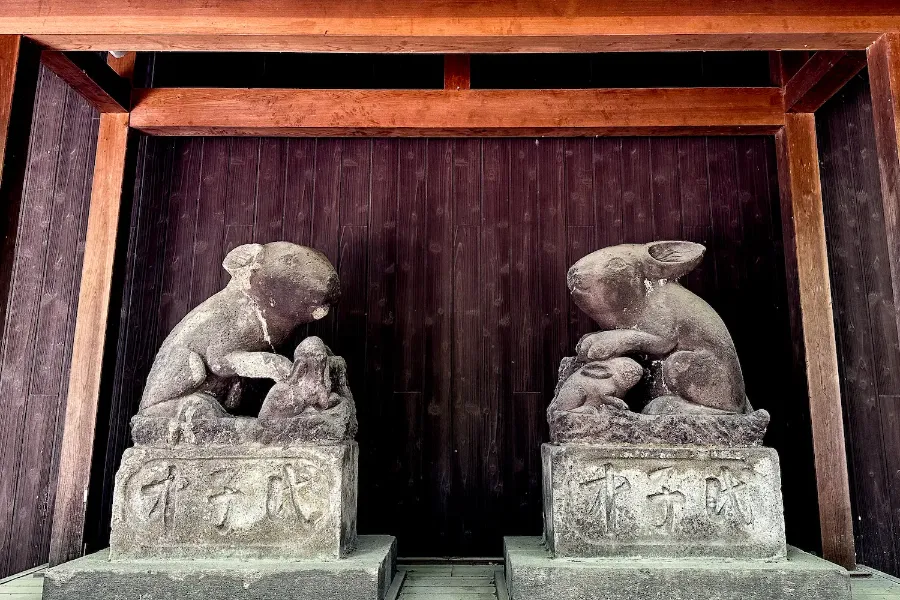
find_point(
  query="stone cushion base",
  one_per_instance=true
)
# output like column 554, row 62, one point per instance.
column 532, row 574
column 364, row 575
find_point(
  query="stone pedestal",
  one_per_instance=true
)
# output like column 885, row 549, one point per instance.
column 533, row 574
column 363, row 575
column 241, row 501
column 631, row 522
column 667, row 502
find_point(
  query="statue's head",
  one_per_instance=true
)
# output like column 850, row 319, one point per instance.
column 284, row 278
column 607, row 283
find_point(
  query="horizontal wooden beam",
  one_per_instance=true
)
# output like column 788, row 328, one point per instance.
column 823, row 75
column 92, row 78
column 450, row 27
column 672, row 111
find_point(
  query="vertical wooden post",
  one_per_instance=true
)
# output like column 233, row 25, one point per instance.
column 90, row 332
column 457, row 72
column 884, row 81
column 804, row 231
column 123, row 66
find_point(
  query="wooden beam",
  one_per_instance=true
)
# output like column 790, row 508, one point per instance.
column 457, row 72
column 699, row 111
column 884, row 82
column 92, row 78
column 451, row 27
column 806, row 252
column 823, row 75
column 123, row 66
column 66, row 540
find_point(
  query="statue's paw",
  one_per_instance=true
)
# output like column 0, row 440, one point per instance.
column 200, row 406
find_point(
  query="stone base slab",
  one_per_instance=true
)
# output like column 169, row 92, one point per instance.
column 364, row 575
column 532, row 574
column 240, row 501
column 664, row 502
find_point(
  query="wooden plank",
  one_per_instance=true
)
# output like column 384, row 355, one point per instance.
column 861, row 291
column 90, row 333
column 438, row 357
column 884, row 79
column 410, row 26
column 663, row 111
column 820, row 78
column 18, row 86
column 24, row 299
column 801, row 190
column 457, row 72
column 92, row 78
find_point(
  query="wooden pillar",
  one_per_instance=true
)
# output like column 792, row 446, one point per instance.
column 884, row 81
column 80, row 422
column 807, row 257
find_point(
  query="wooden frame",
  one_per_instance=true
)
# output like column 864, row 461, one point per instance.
column 840, row 29
column 415, row 26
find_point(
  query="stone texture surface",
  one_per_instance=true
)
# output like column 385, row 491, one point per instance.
column 532, row 574
column 241, row 501
column 662, row 501
column 329, row 426
column 274, row 288
column 631, row 291
column 605, row 426
column 364, row 575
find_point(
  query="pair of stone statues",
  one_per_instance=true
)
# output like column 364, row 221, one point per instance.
column 631, row 291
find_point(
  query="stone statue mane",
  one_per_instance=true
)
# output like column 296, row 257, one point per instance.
column 656, row 331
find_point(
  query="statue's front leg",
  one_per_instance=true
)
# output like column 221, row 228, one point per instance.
column 622, row 342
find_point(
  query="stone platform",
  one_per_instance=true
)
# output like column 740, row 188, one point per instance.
column 363, row 575
column 533, row 574
column 244, row 501
column 665, row 502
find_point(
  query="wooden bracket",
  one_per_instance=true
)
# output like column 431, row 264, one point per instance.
column 92, row 78
column 820, row 78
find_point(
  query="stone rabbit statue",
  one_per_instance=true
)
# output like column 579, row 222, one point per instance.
column 274, row 288
column 595, row 384
column 631, row 291
column 318, row 381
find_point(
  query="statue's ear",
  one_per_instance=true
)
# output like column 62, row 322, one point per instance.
column 242, row 257
column 671, row 260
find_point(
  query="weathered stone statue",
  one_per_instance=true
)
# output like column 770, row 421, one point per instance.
column 212, row 505
column 684, row 351
column 274, row 288
column 658, row 490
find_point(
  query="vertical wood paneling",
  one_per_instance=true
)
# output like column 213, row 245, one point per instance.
column 865, row 319
column 454, row 315
column 37, row 332
column 438, row 357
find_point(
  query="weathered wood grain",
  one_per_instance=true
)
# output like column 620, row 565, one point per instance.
column 91, row 78
column 660, row 111
column 88, row 345
column 801, row 191
column 820, row 78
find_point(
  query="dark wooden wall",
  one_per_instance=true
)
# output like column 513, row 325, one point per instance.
column 864, row 313
column 454, row 316
column 37, row 333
